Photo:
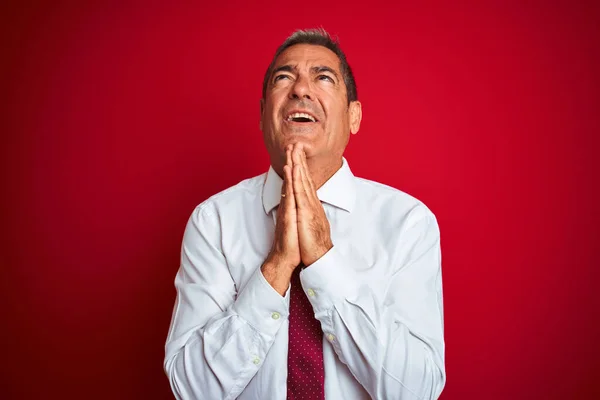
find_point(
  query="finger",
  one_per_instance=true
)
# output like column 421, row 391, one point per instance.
column 287, row 176
column 299, row 190
column 287, row 203
column 308, row 179
column 304, row 173
column 297, row 158
column 284, row 192
column 288, row 157
column 289, row 185
column 296, row 151
column 284, row 183
column 289, row 200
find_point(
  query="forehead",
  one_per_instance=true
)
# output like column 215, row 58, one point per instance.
column 307, row 55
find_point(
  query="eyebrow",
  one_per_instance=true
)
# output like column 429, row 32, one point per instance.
column 286, row 68
column 315, row 70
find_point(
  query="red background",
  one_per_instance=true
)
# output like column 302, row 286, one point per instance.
column 118, row 119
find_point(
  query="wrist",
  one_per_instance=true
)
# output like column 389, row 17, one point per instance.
column 279, row 262
column 277, row 275
column 320, row 252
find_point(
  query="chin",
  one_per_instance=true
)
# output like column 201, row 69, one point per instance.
column 293, row 139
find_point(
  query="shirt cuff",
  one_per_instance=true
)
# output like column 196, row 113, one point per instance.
column 329, row 280
column 261, row 305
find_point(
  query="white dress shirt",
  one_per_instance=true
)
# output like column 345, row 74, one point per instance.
column 377, row 294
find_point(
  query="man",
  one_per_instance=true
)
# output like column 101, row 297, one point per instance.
column 307, row 282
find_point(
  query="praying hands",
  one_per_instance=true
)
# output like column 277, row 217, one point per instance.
column 302, row 231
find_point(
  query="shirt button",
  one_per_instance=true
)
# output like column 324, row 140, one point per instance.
column 275, row 315
column 330, row 337
column 256, row 360
column 311, row 292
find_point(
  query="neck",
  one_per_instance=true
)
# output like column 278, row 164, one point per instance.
column 320, row 172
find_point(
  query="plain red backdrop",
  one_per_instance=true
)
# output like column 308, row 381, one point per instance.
column 118, row 119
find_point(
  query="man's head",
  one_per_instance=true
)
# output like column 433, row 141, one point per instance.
column 309, row 96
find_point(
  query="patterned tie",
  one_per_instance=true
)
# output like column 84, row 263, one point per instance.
column 305, row 350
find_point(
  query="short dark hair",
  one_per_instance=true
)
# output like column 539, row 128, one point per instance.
column 317, row 37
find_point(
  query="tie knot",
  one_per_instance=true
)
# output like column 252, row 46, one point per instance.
column 296, row 273
column 296, row 276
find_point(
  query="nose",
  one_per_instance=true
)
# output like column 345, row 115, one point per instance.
column 301, row 89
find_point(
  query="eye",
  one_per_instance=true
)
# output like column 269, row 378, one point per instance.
column 325, row 78
column 279, row 77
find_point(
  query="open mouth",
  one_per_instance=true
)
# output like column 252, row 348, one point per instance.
column 301, row 117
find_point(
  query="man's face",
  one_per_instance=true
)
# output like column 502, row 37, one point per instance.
column 306, row 102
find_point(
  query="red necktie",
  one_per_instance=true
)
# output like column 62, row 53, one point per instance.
column 305, row 350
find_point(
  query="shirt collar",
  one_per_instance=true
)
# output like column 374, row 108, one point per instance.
column 338, row 191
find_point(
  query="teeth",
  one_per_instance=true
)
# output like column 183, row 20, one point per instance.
column 300, row 115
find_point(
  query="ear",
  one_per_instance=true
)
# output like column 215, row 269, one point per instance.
column 355, row 111
column 262, row 110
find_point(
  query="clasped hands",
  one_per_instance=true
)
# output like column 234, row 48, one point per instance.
column 302, row 231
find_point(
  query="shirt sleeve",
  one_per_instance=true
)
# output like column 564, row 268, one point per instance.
column 392, row 339
column 219, row 336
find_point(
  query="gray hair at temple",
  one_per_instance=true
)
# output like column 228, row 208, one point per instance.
column 317, row 37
